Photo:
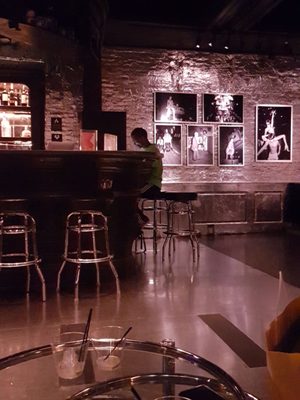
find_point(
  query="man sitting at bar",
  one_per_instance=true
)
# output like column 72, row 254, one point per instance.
column 153, row 187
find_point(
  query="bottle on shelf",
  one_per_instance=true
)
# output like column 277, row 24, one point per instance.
column 24, row 97
column 12, row 95
column 4, row 95
column 5, row 127
column 19, row 96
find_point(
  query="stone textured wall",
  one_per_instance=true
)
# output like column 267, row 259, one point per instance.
column 131, row 76
column 64, row 100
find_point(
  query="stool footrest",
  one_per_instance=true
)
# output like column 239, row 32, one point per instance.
column 32, row 260
column 91, row 260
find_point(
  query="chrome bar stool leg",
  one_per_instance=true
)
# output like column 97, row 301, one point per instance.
column 59, row 275
column 37, row 262
column 66, row 250
column 95, row 253
column 42, row 279
column 26, row 252
column 114, row 271
column 77, row 277
column 116, row 276
column 141, row 241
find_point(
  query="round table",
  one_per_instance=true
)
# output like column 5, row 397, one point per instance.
column 154, row 369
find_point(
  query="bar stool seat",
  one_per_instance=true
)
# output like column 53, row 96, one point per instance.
column 84, row 203
column 179, row 205
column 18, row 247
column 86, row 242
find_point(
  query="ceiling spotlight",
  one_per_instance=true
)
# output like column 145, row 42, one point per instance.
column 198, row 46
column 210, row 44
column 286, row 42
column 226, row 47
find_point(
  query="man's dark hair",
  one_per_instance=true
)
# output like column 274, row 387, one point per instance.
column 139, row 132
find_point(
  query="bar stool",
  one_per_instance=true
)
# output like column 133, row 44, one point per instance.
column 86, row 242
column 140, row 243
column 154, row 207
column 18, row 247
column 179, row 204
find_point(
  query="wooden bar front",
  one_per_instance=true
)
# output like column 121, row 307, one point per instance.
column 50, row 180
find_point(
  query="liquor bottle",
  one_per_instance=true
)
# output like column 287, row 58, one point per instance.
column 4, row 96
column 24, row 96
column 19, row 95
column 11, row 95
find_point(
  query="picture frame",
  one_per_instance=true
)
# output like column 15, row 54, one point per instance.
column 175, row 107
column 88, row 139
column 110, row 142
column 274, row 128
column 168, row 138
column 223, row 108
column 200, row 145
column 231, row 145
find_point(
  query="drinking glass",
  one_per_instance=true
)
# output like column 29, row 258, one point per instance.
column 69, row 352
column 106, row 342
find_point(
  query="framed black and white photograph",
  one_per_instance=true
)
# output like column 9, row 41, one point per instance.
column 168, row 139
column 274, row 133
column 200, row 145
column 231, row 145
column 172, row 107
column 223, row 108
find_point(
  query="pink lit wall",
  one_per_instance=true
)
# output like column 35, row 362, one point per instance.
column 131, row 76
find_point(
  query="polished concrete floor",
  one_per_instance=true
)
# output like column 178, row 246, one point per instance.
column 179, row 299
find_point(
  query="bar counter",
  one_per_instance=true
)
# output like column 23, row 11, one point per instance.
column 50, row 180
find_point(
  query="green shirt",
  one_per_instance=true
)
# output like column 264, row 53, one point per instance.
column 157, row 166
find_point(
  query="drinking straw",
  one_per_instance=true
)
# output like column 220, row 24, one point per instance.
column 118, row 343
column 85, row 335
column 136, row 395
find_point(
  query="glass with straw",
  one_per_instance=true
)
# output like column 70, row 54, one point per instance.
column 70, row 351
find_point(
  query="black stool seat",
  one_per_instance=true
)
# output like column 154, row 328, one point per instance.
column 84, row 204
column 180, row 196
column 157, row 196
column 13, row 204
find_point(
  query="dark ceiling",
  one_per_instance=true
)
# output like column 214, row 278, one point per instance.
column 260, row 26
column 245, row 15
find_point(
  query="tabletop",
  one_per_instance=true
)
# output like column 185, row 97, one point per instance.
column 155, row 369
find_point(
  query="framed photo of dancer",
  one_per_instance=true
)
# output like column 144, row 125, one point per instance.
column 168, row 138
column 223, row 108
column 175, row 107
column 231, row 145
column 200, row 145
column 273, row 133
